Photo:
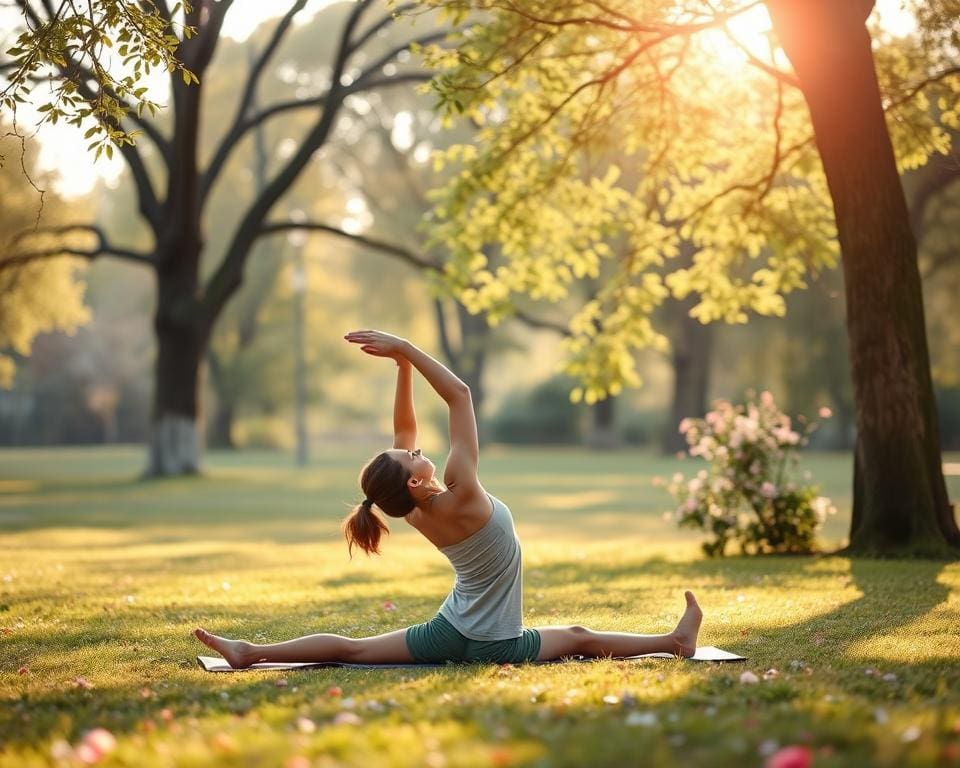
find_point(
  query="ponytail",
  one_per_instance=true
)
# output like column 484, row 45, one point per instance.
column 364, row 528
column 385, row 480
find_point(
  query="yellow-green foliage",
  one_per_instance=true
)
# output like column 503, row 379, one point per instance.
column 103, row 578
column 91, row 39
column 39, row 296
column 599, row 155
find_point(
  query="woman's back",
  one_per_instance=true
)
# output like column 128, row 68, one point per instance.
column 486, row 602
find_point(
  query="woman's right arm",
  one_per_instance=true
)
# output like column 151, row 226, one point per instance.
column 462, row 463
column 460, row 471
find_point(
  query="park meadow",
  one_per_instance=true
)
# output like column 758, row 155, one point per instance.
column 637, row 257
column 104, row 576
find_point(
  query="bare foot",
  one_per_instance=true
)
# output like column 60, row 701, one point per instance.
column 238, row 653
column 685, row 635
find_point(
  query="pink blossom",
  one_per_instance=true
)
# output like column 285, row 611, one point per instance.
column 825, row 413
column 768, row 490
column 87, row 754
column 96, row 745
column 766, row 398
column 790, row 757
column 685, row 425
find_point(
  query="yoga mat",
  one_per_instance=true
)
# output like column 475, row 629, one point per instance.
column 216, row 664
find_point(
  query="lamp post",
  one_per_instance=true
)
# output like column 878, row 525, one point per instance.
column 297, row 239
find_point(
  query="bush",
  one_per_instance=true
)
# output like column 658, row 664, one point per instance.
column 543, row 415
column 746, row 495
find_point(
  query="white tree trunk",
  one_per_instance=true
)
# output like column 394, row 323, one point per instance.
column 174, row 447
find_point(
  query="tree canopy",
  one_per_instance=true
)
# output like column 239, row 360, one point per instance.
column 613, row 133
column 104, row 49
column 34, row 296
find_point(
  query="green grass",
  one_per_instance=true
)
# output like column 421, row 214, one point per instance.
column 103, row 577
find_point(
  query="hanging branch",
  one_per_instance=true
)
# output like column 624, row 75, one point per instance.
column 103, row 247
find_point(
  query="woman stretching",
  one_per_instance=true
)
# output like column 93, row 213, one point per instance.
column 482, row 617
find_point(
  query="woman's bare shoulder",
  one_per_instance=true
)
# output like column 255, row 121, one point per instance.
column 451, row 517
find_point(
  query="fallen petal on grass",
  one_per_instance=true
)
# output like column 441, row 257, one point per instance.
column 911, row 734
column 306, row 725
column 347, row 718
column 61, row 750
column 790, row 757
column 100, row 741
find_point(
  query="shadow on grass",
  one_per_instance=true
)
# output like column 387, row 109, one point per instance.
column 892, row 595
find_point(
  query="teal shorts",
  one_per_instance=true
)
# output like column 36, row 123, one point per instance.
column 437, row 642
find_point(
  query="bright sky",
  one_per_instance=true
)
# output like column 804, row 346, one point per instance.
column 63, row 149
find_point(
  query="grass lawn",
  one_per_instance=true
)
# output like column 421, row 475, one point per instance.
column 102, row 578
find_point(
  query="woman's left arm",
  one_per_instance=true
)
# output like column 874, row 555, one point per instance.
column 404, row 416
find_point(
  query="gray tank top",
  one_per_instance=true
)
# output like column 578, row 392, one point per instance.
column 486, row 602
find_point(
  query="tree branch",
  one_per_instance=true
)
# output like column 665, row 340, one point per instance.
column 384, row 21
column 103, row 247
column 406, row 77
column 241, row 124
column 399, row 252
column 81, row 76
column 229, row 274
column 149, row 204
column 390, row 55
column 629, row 24
column 935, row 78
column 206, row 41
column 405, row 255
column 783, row 77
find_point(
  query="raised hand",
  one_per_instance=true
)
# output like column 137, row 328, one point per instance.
column 377, row 343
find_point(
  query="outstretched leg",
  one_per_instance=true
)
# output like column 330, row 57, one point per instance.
column 557, row 642
column 389, row 648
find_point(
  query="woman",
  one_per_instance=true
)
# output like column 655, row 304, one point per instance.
column 481, row 618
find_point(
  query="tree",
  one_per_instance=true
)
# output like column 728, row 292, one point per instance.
column 174, row 187
column 765, row 174
column 34, row 298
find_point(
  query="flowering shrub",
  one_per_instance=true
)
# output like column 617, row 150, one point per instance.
column 746, row 495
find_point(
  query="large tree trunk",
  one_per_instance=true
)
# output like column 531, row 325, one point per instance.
column 175, row 444
column 220, row 430
column 900, row 498
column 465, row 348
column 603, row 425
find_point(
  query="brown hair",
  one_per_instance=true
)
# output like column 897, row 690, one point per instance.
column 384, row 482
